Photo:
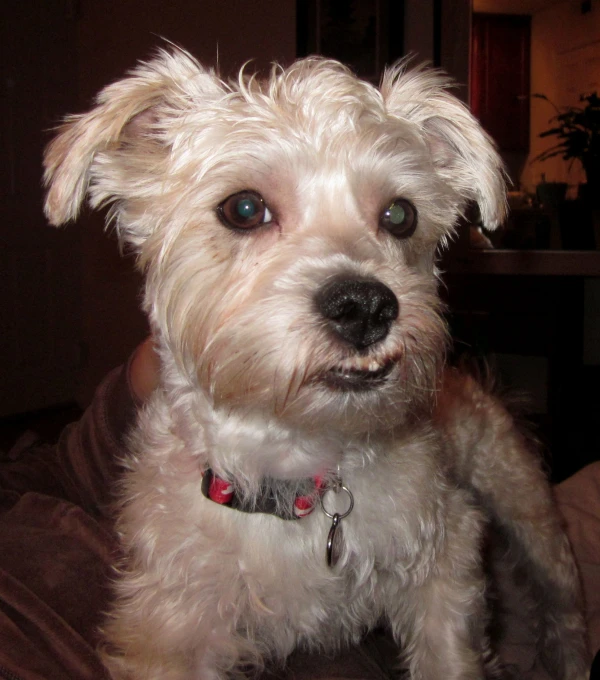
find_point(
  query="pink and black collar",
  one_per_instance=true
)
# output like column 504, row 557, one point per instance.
column 223, row 492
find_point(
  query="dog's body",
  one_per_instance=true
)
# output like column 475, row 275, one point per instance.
column 288, row 234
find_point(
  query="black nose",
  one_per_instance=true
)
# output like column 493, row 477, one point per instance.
column 360, row 311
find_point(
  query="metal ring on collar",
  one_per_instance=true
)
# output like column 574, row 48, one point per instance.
column 350, row 498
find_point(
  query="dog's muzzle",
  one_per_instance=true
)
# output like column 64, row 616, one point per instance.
column 360, row 312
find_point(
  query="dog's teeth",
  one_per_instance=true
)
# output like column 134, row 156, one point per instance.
column 358, row 375
column 366, row 365
column 372, row 367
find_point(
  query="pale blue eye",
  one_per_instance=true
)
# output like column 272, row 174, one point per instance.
column 399, row 218
column 396, row 214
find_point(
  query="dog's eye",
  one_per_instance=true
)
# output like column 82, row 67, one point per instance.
column 400, row 218
column 244, row 211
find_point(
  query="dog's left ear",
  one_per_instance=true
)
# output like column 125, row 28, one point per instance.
column 462, row 152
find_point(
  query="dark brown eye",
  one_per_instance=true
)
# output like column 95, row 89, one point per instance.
column 244, row 211
column 400, row 218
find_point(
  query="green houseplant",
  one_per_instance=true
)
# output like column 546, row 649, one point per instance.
column 578, row 131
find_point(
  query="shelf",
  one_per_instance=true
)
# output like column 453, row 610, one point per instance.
column 524, row 262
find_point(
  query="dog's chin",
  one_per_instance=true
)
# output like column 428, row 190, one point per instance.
column 358, row 376
column 341, row 395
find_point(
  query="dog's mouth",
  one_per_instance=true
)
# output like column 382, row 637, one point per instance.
column 358, row 376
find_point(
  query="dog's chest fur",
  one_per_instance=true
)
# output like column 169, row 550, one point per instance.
column 271, row 574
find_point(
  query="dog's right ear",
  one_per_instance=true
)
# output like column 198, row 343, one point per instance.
column 462, row 153
column 127, row 114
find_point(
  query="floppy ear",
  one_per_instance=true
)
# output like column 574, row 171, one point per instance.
column 462, row 152
column 127, row 115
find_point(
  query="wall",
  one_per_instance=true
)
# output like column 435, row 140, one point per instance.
column 418, row 29
column 565, row 62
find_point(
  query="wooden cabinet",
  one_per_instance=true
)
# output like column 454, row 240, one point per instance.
column 500, row 66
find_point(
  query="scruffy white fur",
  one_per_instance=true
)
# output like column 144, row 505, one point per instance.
column 257, row 384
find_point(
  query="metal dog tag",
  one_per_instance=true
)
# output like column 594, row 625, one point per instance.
column 335, row 539
column 335, row 542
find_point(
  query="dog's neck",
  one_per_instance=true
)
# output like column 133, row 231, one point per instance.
column 251, row 448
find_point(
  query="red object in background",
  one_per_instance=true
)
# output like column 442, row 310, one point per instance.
column 500, row 77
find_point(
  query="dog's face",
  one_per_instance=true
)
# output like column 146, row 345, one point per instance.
column 287, row 228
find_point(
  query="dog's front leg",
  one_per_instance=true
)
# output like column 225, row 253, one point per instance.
column 145, row 656
column 163, row 633
column 440, row 623
column 438, row 642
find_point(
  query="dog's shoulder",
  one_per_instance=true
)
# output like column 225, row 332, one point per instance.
column 475, row 421
column 464, row 393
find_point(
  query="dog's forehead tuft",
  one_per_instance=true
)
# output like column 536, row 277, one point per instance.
column 313, row 92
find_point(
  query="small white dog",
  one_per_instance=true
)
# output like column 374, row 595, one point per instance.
column 288, row 232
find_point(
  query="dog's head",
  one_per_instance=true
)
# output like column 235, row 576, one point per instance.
column 287, row 227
